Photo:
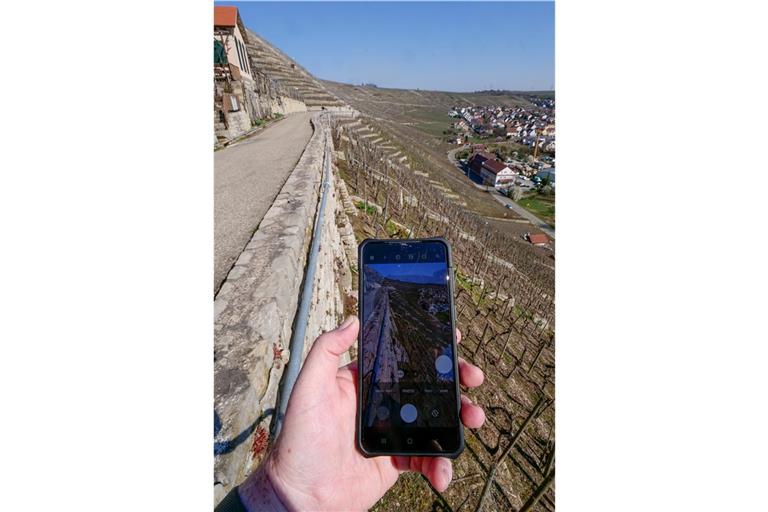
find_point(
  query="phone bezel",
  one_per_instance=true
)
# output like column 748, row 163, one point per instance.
column 358, row 419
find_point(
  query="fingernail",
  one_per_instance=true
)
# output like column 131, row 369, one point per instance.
column 447, row 473
column 347, row 322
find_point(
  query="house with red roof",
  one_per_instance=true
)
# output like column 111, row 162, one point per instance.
column 229, row 32
column 477, row 159
column 232, row 75
column 497, row 173
column 491, row 170
column 537, row 238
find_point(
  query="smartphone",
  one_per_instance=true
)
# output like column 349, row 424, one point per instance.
column 409, row 399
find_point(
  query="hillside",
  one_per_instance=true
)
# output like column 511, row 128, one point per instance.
column 424, row 110
column 504, row 307
column 407, row 126
column 393, row 161
column 288, row 73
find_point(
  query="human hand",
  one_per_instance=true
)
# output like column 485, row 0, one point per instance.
column 315, row 463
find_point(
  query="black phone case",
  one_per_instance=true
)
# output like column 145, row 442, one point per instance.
column 358, row 419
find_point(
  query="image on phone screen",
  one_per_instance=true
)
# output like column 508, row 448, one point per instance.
column 409, row 390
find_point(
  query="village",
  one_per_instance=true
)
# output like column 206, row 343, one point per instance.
column 520, row 147
column 509, row 151
column 516, row 124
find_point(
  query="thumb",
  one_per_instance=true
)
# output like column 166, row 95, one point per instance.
column 323, row 358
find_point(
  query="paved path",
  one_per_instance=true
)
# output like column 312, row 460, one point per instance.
column 546, row 228
column 452, row 155
column 247, row 178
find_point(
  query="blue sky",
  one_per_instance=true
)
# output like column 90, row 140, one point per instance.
column 452, row 46
column 415, row 272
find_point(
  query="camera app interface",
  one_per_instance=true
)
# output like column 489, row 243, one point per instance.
column 407, row 343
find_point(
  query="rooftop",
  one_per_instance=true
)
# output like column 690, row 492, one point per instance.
column 494, row 166
column 224, row 16
column 485, row 155
column 538, row 238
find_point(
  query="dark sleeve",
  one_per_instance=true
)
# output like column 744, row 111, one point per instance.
column 231, row 503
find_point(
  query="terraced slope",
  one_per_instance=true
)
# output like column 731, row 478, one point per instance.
column 402, row 104
column 288, row 73
column 406, row 146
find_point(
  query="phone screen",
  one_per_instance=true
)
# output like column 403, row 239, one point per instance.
column 409, row 392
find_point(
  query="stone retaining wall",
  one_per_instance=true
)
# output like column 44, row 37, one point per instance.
column 254, row 105
column 255, row 308
column 344, row 109
column 285, row 105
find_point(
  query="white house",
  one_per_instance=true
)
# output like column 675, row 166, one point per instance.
column 497, row 173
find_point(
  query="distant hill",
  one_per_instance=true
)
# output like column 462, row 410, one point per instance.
column 364, row 98
column 500, row 92
column 387, row 102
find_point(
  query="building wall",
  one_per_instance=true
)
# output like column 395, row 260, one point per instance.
column 229, row 42
column 488, row 176
column 505, row 177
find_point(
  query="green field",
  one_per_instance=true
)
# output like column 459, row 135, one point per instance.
column 541, row 206
column 433, row 122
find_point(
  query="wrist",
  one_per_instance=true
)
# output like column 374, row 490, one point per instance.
column 289, row 495
column 258, row 492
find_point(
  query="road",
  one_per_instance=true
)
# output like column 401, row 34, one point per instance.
column 247, row 178
column 546, row 228
column 452, row 155
column 464, row 169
